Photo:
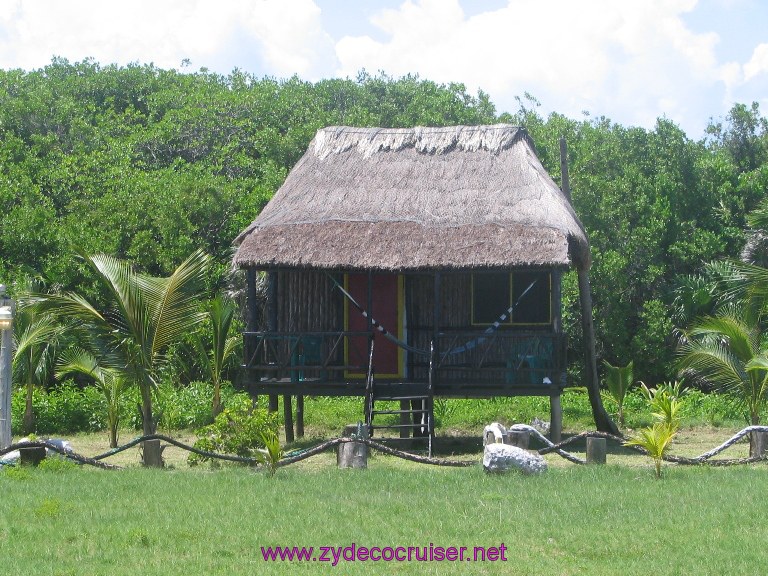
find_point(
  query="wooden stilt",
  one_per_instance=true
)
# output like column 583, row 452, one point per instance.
column 288, row 418
column 299, row 416
column 555, row 418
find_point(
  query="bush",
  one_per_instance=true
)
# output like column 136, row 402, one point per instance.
column 68, row 408
column 187, row 406
column 177, row 407
column 64, row 409
column 240, row 429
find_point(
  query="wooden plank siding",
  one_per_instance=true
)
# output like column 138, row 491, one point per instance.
column 302, row 352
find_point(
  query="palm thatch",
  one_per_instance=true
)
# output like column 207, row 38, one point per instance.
column 459, row 197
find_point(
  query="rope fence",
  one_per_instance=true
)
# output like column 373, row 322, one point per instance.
column 293, row 457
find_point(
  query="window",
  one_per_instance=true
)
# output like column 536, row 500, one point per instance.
column 528, row 292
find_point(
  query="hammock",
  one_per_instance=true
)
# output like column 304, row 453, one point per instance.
column 405, row 346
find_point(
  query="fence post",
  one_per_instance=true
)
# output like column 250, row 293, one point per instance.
column 757, row 444
column 352, row 454
column 596, row 449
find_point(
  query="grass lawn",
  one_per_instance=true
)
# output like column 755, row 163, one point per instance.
column 613, row 519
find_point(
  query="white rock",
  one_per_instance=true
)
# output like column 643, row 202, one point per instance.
column 540, row 425
column 494, row 433
column 503, row 457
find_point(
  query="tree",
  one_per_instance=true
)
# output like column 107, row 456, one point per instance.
column 221, row 312
column 728, row 352
column 36, row 336
column 111, row 382
column 147, row 315
column 619, row 380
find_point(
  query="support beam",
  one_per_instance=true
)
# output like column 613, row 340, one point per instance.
column 299, row 416
column 555, row 418
column 288, row 418
column 272, row 321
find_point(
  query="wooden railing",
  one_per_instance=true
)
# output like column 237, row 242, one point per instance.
column 505, row 361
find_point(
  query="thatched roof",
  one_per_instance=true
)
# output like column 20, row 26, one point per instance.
column 472, row 197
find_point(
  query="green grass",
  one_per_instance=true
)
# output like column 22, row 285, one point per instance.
column 572, row 520
column 329, row 415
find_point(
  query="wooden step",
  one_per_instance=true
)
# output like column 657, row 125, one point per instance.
column 399, row 411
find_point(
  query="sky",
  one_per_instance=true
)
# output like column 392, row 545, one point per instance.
column 632, row 61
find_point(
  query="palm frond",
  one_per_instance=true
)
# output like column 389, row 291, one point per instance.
column 174, row 301
column 713, row 363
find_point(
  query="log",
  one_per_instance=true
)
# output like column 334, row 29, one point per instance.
column 596, row 449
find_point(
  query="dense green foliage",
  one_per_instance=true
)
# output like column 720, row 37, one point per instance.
column 149, row 165
column 68, row 408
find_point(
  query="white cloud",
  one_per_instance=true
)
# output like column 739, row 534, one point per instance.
column 630, row 60
column 633, row 59
column 758, row 63
column 285, row 35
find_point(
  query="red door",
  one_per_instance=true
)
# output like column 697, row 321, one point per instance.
column 386, row 309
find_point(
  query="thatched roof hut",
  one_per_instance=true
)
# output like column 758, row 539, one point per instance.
column 459, row 197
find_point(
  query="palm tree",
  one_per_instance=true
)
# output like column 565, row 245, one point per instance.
column 110, row 382
column 618, row 380
column 210, row 351
column 221, row 313
column 36, row 338
column 728, row 352
column 147, row 316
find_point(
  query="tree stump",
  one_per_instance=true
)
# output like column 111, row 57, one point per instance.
column 596, row 449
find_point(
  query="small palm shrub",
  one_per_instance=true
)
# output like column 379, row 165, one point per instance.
column 665, row 403
column 272, row 452
column 655, row 440
column 618, row 381
column 239, row 429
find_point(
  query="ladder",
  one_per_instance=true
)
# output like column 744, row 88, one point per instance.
column 416, row 411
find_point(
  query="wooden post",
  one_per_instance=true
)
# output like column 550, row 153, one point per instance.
column 288, row 418
column 272, row 321
column 519, row 438
column 596, row 449
column 405, row 419
column 299, row 416
column 758, row 442
column 555, row 418
column 153, row 454
column 352, row 454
